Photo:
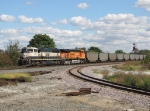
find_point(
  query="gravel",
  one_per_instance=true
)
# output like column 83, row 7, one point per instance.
column 45, row 93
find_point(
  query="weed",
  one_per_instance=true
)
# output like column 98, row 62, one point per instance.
column 136, row 80
column 133, row 66
column 21, row 77
column 96, row 71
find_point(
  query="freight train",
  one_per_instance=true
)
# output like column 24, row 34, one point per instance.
column 31, row 56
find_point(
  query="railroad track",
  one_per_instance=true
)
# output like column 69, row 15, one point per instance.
column 77, row 73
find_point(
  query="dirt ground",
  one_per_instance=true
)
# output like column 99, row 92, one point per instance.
column 46, row 93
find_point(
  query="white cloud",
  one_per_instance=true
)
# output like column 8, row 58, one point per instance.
column 83, row 5
column 109, row 33
column 24, row 19
column 30, row 3
column 80, row 21
column 7, row 18
column 115, row 30
column 143, row 4
column 64, row 21
column 123, row 19
column 50, row 30
column 20, row 38
column 44, row 24
column 53, row 23
column 9, row 31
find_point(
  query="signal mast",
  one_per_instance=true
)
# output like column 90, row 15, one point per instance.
column 135, row 49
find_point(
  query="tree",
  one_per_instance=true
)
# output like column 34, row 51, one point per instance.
column 1, row 50
column 119, row 52
column 42, row 40
column 5, row 60
column 146, row 52
column 94, row 49
column 147, row 59
column 13, row 51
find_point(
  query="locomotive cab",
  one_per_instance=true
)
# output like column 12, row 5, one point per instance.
column 29, row 52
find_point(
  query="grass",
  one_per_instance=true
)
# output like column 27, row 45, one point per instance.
column 100, row 71
column 139, row 80
column 135, row 80
column 13, row 78
column 133, row 66
column 17, row 77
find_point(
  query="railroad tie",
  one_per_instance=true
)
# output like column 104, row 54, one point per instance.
column 82, row 91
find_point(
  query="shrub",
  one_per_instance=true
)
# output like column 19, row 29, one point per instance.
column 5, row 60
column 12, row 51
column 131, row 66
column 136, row 80
column 147, row 59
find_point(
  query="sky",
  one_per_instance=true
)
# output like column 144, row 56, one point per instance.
column 107, row 24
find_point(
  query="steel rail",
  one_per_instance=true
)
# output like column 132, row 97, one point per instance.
column 85, row 77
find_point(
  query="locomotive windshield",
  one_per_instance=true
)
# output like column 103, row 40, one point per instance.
column 27, row 50
column 23, row 50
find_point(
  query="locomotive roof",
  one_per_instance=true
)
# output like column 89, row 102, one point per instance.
column 69, row 50
column 53, row 49
column 49, row 49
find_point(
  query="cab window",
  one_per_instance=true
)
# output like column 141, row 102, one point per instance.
column 23, row 50
column 30, row 50
column 35, row 50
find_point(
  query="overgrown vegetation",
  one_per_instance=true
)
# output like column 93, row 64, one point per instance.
column 135, row 80
column 13, row 78
column 147, row 59
column 139, row 80
column 13, row 51
column 5, row 60
column 133, row 66
column 9, row 57
column 21, row 77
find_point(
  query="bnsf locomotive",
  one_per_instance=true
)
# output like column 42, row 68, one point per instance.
column 37, row 56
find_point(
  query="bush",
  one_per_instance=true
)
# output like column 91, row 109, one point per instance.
column 13, row 51
column 136, row 80
column 132, row 66
column 5, row 60
column 147, row 59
